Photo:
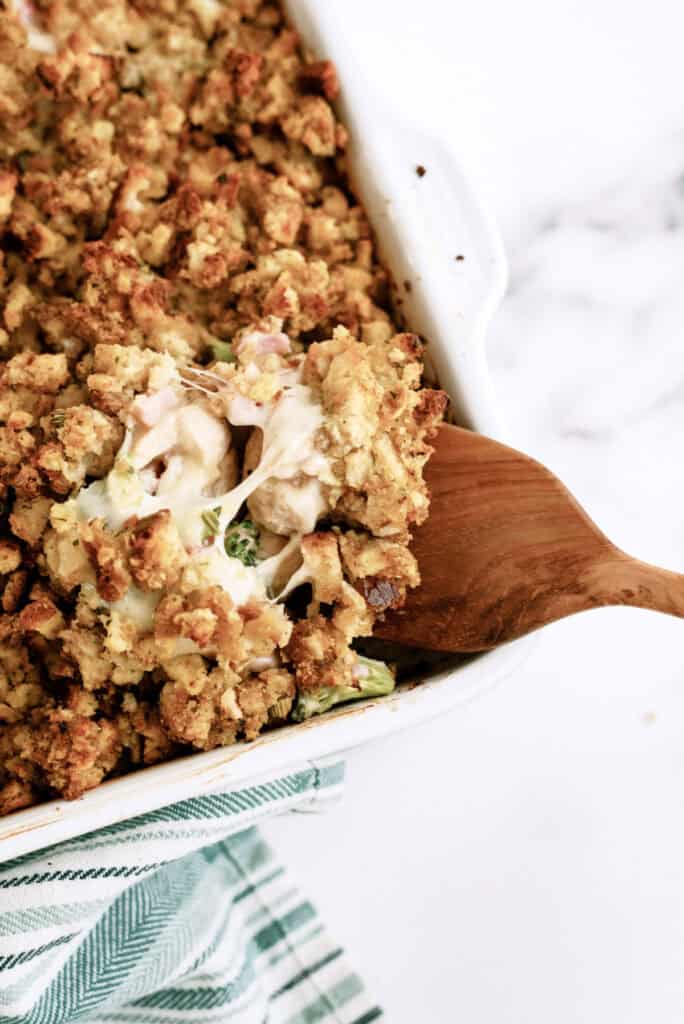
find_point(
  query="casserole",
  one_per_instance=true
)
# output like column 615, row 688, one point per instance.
column 445, row 258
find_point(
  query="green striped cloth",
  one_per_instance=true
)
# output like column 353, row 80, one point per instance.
column 178, row 915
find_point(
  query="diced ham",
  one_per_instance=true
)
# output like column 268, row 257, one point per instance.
column 264, row 344
column 243, row 412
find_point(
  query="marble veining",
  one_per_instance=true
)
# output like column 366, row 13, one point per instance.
column 591, row 334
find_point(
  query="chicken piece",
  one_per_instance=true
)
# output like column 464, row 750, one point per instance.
column 289, row 506
column 285, row 506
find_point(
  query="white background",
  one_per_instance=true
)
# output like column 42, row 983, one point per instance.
column 522, row 860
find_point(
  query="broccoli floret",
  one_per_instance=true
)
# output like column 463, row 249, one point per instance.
column 222, row 352
column 242, row 541
column 374, row 679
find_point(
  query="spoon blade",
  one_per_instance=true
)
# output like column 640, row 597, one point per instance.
column 506, row 549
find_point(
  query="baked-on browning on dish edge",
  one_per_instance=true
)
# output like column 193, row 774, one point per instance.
column 213, row 430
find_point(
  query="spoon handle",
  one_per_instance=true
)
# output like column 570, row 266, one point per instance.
column 507, row 549
column 623, row 580
column 613, row 579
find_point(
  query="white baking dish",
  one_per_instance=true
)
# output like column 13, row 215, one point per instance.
column 422, row 224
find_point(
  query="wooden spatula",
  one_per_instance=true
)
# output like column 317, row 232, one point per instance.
column 507, row 549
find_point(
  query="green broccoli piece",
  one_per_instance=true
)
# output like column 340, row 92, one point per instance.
column 242, row 541
column 375, row 679
column 222, row 351
column 279, row 711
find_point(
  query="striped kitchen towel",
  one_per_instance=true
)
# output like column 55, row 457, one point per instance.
column 179, row 915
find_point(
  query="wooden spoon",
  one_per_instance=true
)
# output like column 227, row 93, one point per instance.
column 506, row 550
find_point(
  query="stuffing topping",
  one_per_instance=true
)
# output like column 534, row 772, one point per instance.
column 212, row 427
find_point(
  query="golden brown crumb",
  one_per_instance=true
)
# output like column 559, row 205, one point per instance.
column 199, row 707
column 106, row 554
column 29, row 518
column 156, row 554
column 263, row 698
column 10, row 555
column 74, row 752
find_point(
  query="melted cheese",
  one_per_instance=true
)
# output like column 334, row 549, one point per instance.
column 139, row 606
column 192, row 442
column 116, row 498
column 241, row 582
column 271, row 568
column 297, row 579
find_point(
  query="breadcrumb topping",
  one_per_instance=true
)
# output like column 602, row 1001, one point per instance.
column 208, row 407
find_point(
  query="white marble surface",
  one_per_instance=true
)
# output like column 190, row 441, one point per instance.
column 522, row 861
